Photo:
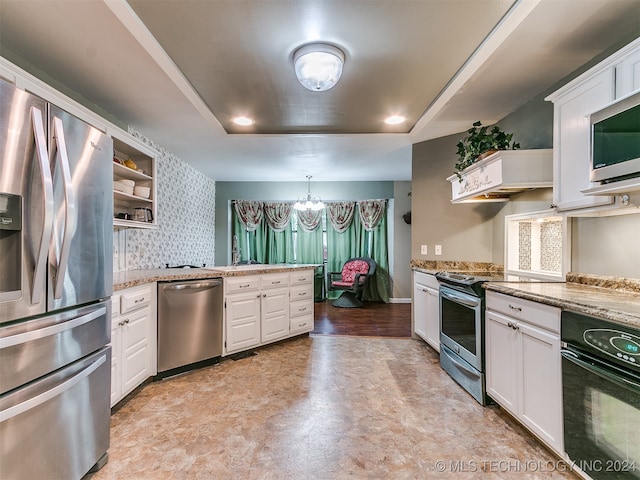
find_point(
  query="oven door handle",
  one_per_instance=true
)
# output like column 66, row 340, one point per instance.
column 459, row 299
column 600, row 371
column 458, row 364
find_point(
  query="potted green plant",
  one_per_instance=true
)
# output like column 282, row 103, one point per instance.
column 481, row 142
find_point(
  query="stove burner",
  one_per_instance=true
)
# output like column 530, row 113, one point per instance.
column 184, row 266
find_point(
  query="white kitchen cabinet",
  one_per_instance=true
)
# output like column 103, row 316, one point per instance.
column 426, row 308
column 264, row 308
column 614, row 77
column 301, row 297
column 572, row 140
column 133, row 339
column 523, row 364
column 242, row 312
column 274, row 314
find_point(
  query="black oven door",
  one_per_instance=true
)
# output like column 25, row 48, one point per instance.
column 601, row 417
column 461, row 325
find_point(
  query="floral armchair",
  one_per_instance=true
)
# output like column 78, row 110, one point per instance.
column 355, row 274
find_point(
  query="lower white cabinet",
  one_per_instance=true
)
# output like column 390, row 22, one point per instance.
column 133, row 339
column 260, row 309
column 426, row 308
column 523, row 364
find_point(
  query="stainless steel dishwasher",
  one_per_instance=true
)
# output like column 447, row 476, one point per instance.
column 189, row 324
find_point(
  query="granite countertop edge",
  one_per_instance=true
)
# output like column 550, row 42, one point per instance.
column 133, row 278
column 621, row 307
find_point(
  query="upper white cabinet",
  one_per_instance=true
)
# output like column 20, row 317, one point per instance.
column 134, row 189
column 502, row 174
column 612, row 78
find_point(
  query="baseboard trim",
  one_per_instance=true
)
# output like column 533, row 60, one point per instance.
column 399, row 300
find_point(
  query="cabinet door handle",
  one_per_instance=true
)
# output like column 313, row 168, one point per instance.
column 517, row 309
column 513, row 325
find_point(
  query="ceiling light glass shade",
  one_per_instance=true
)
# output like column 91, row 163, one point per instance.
column 243, row 121
column 318, row 66
column 309, row 203
column 394, row 120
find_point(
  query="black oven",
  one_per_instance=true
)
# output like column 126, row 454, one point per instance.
column 601, row 396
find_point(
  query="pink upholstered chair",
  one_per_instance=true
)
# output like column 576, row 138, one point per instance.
column 351, row 280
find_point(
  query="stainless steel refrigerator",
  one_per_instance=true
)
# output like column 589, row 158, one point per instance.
column 56, row 235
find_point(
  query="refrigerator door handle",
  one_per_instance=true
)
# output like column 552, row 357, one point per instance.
column 70, row 208
column 31, row 335
column 47, row 186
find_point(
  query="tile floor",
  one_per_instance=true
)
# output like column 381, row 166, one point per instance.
column 320, row 407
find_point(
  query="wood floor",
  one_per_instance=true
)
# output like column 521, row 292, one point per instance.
column 374, row 319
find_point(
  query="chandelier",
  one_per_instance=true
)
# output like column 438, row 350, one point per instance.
column 318, row 66
column 309, row 202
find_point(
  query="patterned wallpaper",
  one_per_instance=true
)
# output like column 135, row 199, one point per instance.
column 551, row 246
column 185, row 217
column 549, row 242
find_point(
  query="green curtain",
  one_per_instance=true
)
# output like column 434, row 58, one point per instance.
column 309, row 246
column 263, row 245
column 251, row 244
column 378, row 286
column 279, row 245
column 357, row 242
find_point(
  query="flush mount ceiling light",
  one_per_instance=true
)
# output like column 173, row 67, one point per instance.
column 243, row 121
column 309, row 203
column 318, row 66
column 394, row 120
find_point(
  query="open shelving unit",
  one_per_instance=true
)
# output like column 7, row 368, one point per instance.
column 124, row 203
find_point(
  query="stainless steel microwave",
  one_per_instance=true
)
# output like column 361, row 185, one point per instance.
column 615, row 141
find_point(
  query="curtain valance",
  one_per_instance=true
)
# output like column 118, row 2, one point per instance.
column 308, row 220
column 340, row 215
column 371, row 212
column 250, row 213
column 277, row 214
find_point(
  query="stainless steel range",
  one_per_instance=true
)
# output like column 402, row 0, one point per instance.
column 462, row 307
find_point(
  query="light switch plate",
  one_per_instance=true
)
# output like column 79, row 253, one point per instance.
column 423, row 250
column 438, row 250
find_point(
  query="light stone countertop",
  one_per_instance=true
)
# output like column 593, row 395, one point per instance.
column 619, row 306
column 132, row 278
column 612, row 298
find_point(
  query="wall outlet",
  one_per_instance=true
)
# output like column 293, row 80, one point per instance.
column 438, row 249
column 423, row 250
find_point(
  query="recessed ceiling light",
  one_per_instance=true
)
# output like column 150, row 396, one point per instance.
column 244, row 121
column 394, row 120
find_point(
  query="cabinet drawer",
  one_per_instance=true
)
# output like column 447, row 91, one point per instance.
column 274, row 280
column 302, row 307
column 242, row 284
column 535, row 313
column 302, row 277
column 426, row 279
column 301, row 292
column 135, row 299
column 301, row 324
